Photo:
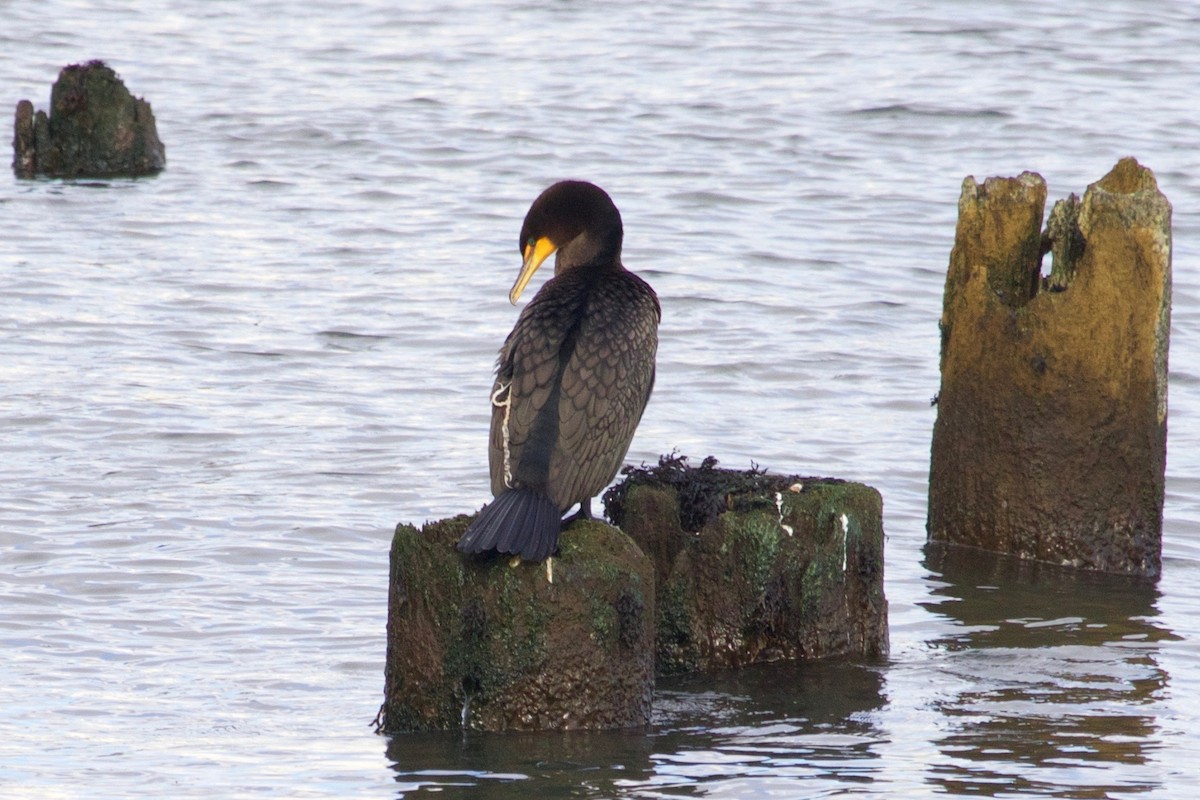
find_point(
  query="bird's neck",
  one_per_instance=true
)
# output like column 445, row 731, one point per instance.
column 590, row 252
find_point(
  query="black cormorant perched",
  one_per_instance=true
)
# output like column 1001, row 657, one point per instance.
column 572, row 378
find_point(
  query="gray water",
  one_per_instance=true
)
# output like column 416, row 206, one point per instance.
column 222, row 387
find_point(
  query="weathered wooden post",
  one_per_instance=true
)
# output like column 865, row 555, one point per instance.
column 1050, row 440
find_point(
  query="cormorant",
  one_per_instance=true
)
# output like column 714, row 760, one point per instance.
column 572, row 378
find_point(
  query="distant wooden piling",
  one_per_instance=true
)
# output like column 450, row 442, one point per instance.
column 95, row 129
column 1050, row 440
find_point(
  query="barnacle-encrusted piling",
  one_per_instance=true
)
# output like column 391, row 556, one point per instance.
column 1050, row 440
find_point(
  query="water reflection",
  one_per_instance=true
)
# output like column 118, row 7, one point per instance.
column 767, row 730
column 518, row 765
column 1051, row 678
column 740, row 733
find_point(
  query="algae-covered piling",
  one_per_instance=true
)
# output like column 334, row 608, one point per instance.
column 756, row 567
column 493, row 645
column 719, row 569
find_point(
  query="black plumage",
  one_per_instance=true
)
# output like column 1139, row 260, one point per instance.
column 573, row 377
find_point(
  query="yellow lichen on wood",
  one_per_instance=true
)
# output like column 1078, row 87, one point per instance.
column 1051, row 430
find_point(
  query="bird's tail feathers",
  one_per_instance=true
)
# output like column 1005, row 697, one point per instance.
column 520, row 521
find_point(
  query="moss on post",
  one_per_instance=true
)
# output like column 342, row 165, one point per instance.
column 493, row 646
column 1050, row 441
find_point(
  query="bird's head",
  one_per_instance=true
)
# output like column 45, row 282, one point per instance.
column 575, row 219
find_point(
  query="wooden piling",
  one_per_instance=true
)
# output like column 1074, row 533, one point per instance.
column 496, row 644
column 756, row 567
column 95, row 129
column 1050, row 440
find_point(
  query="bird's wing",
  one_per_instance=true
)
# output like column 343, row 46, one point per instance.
column 606, row 383
column 527, row 377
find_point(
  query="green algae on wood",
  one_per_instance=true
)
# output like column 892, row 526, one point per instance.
column 756, row 567
column 489, row 645
column 1050, row 440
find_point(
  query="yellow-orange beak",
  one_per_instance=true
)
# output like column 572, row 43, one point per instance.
column 535, row 253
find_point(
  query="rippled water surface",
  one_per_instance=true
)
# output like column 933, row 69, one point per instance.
column 223, row 386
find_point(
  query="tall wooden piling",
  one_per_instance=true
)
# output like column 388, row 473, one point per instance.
column 1050, row 440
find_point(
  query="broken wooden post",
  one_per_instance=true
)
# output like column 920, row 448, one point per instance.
column 755, row 567
column 493, row 645
column 95, row 128
column 1050, row 440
